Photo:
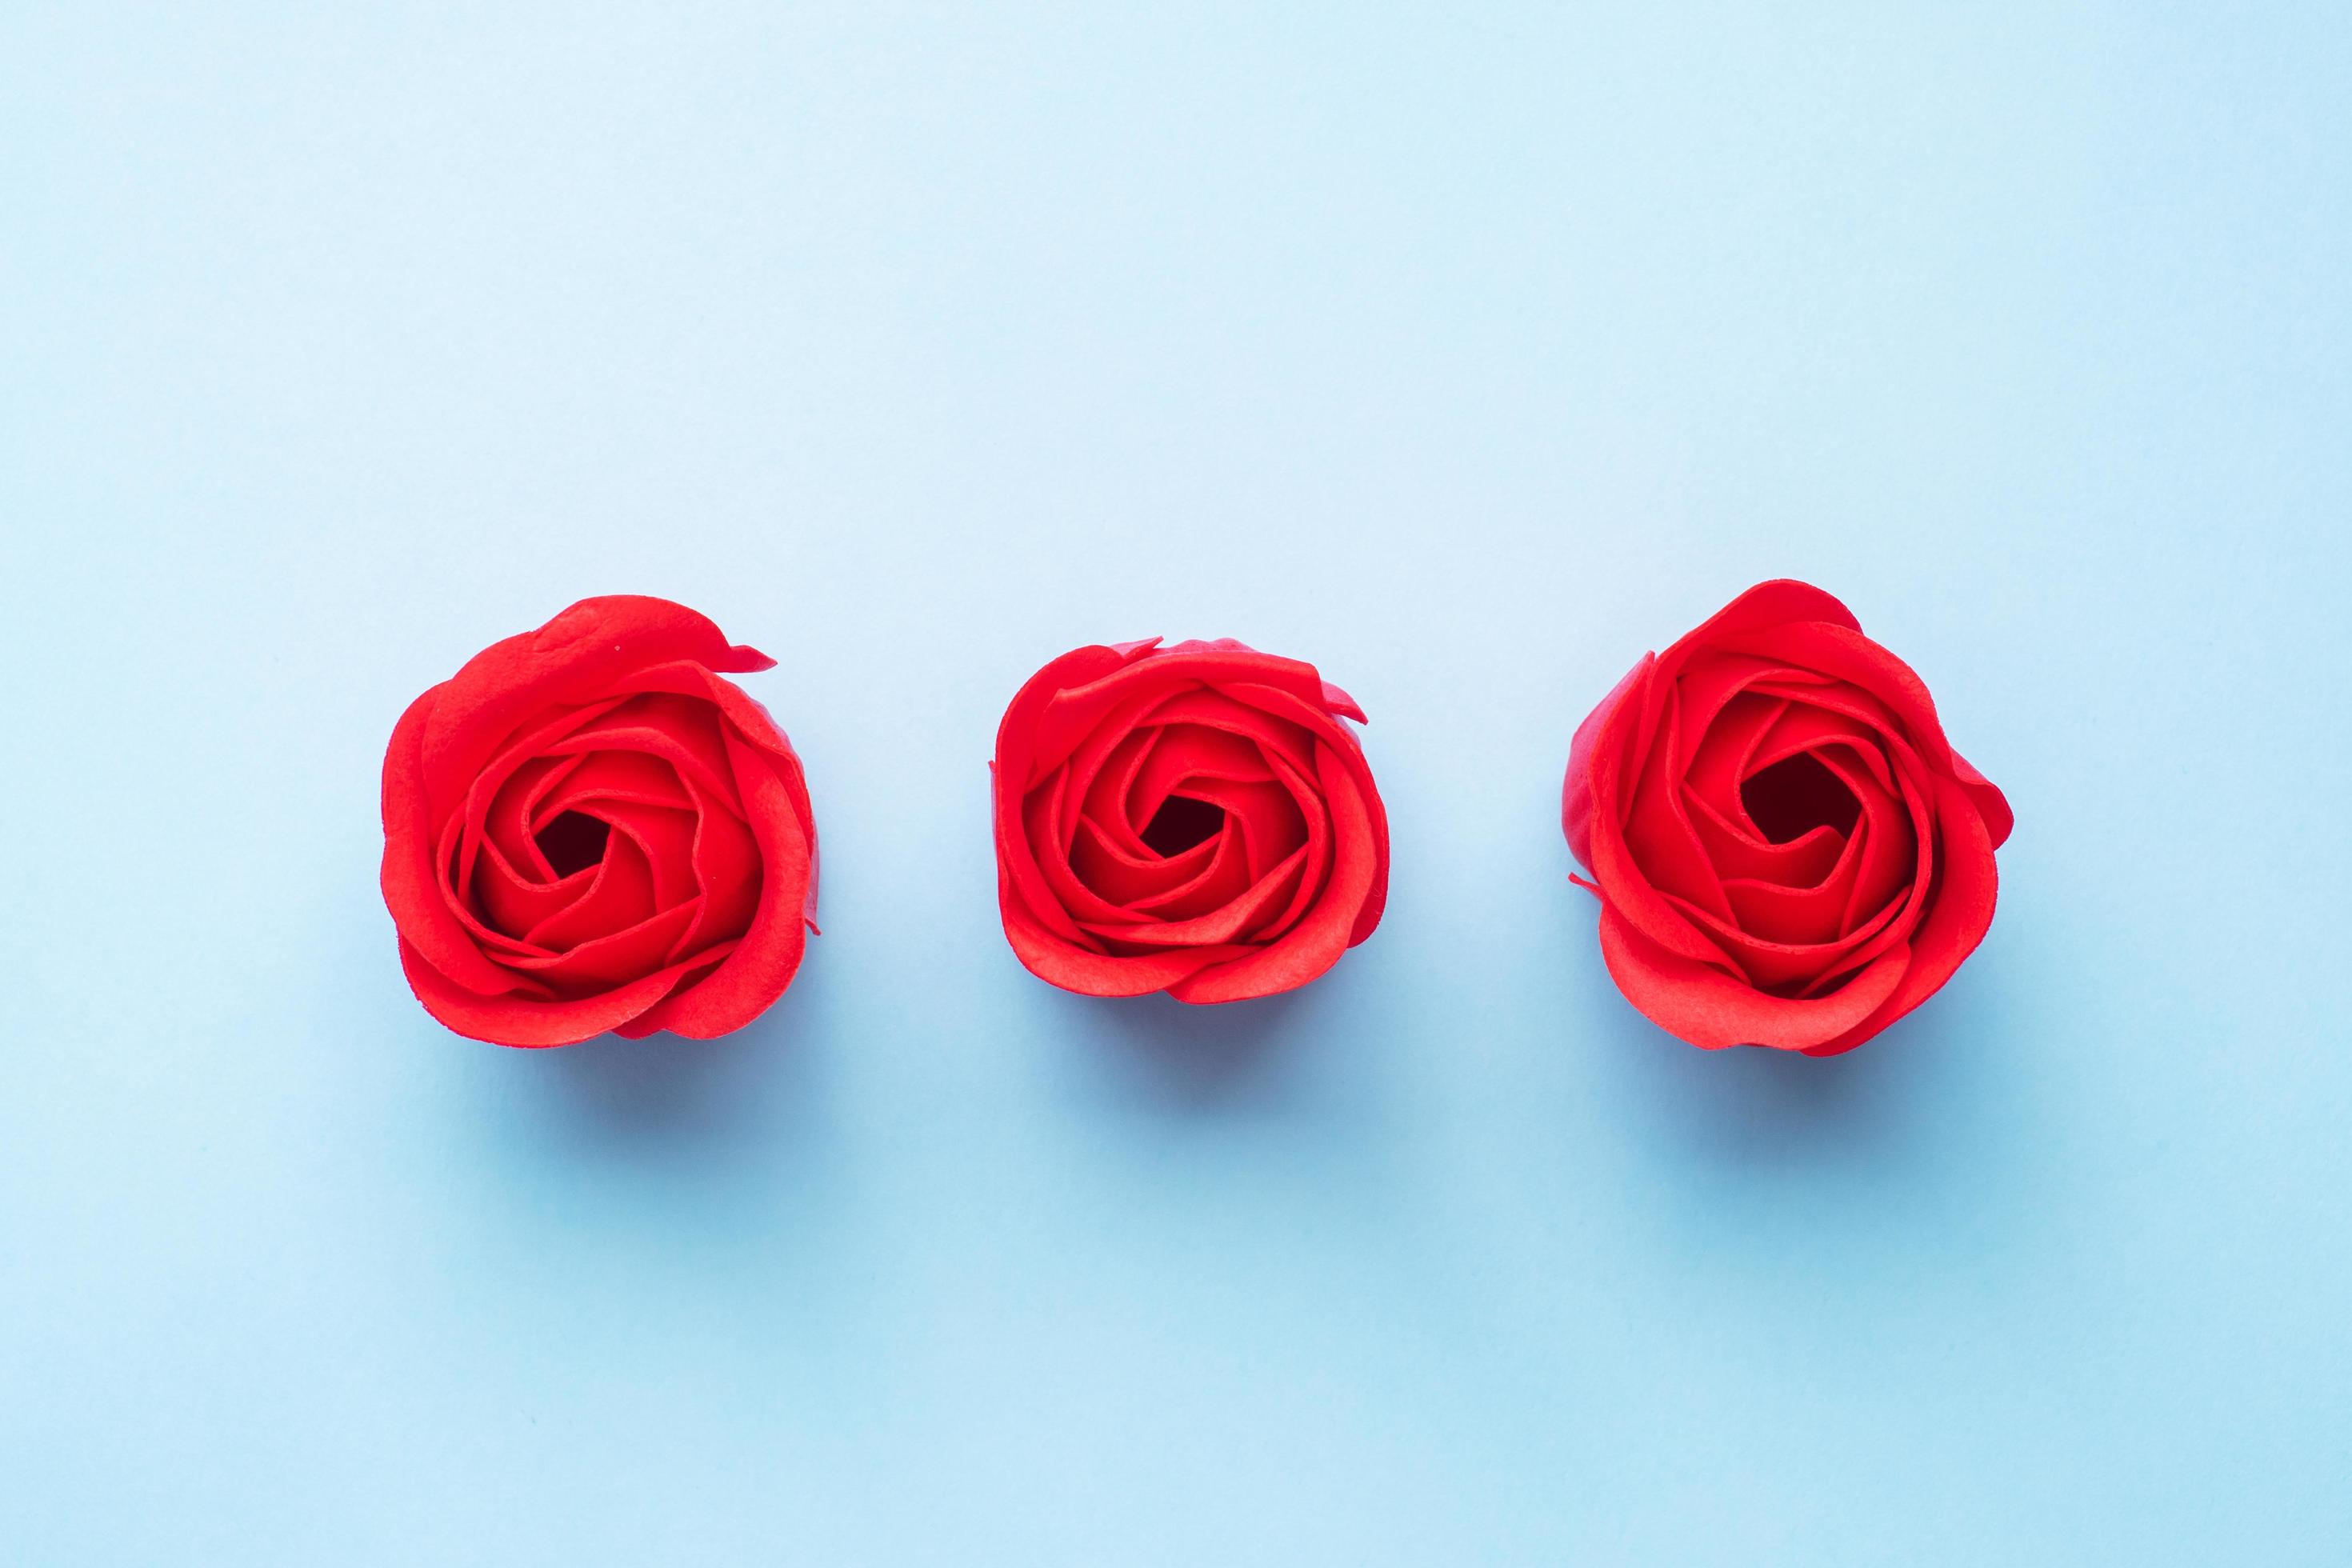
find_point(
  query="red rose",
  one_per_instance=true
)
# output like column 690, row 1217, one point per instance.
column 1192, row 819
column 586, row 829
column 1787, row 851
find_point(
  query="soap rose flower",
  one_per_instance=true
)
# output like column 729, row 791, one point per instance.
column 586, row 829
column 1194, row 819
column 1787, row 851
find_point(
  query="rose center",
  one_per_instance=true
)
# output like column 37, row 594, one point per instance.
column 1181, row 823
column 572, row 842
column 1795, row 795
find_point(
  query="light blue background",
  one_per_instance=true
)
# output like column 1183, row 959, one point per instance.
column 1468, row 353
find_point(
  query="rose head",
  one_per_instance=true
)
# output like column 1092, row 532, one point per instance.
column 1787, row 851
column 585, row 828
column 1194, row 819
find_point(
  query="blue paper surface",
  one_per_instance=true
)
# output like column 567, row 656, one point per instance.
column 1467, row 352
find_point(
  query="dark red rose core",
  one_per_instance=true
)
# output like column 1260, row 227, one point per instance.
column 1194, row 819
column 1787, row 851
column 585, row 828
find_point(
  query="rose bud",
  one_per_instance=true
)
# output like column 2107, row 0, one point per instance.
column 1787, row 851
column 585, row 828
column 1194, row 819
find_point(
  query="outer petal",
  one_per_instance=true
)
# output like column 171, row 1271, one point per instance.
column 1017, row 762
column 411, row 889
column 1315, row 942
column 522, row 1021
column 1339, row 743
column 1576, row 790
column 1014, row 773
column 1958, row 915
column 575, row 656
column 1991, row 805
column 1059, row 962
column 1784, row 601
column 1712, row 1010
column 765, row 960
column 1070, row 715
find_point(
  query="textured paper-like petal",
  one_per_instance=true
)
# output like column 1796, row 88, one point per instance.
column 1315, row 942
column 1712, row 1010
column 1073, row 968
column 1576, row 804
column 765, row 960
column 1224, row 877
column 513, row 1020
column 1221, row 925
column 1955, row 921
column 575, row 658
column 1164, row 821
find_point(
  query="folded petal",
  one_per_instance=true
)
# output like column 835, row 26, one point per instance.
column 1576, row 802
column 1059, row 963
column 1712, row 1010
column 768, row 955
column 573, row 658
column 1959, row 913
column 1315, row 942
column 423, row 912
column 507, row 1019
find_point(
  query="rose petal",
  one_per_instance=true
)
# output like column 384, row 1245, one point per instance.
column 728, row 875
column 667, row 839
column 1959, row 912
column 1101, row 782
column 1888, row 862
column 1724, row 757
column 1619, row 878
column 1712, row 1010
column 1738, row 851
column 1782, row 602
column 614, row 959
column 1071, row 715
column 630, row 775
column 572, row 659
column 1336, row 743
column 1183, row 753
column 492, row 796
column 763, row 962
column 425, row 916
column 620, row 896
column 1124, row 881
column 1017, row 765
column 520, row 1020
column 1211, row 707
column 1576, row 789
column 1225, row 877
column 509, row 824
column 1315, row 942
column 1658, row 831
column 1059, row 962
column 684, row 732
column 1990, row 804
column 1845, row 654
column 1219, row 926
column 1265, row 817
column 511, row 903
column 1314, row 816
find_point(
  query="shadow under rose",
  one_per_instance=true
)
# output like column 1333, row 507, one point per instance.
column 669, row 1096
column 1904, row 1109
column 1169, row 1053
